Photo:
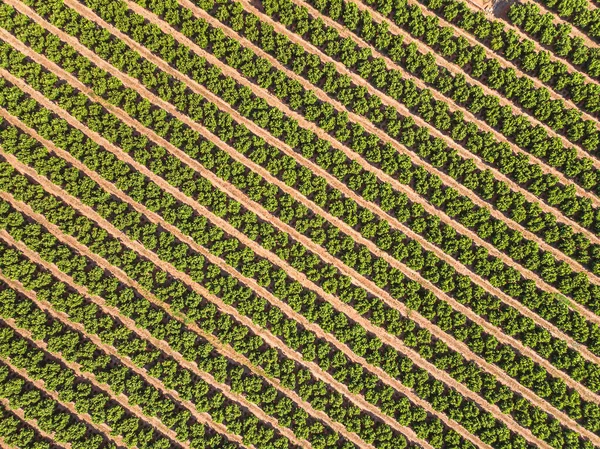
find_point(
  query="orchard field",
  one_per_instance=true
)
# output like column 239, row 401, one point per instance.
column 299, row 224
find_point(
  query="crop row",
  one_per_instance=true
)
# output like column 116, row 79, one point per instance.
column 51, row 415
column 16, row 432
column 495, row 232
column 65, row 342
column 419, row 102
column 156, row 363
column 310, row 347
column 516, row 128
column 376, row 151
column 473, row 258
column 578, row 13
column 555, row 36
column 161, row 168
column 354, row 219
column 472, row 59
column 522, row 53
column 195, row 146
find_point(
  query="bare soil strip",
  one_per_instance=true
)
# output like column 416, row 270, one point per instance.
column 372, row 207
column 393, row 303
column 201, row 417
column 359, row 401
column 101, row 428
column 390, row 101
column 398, row 225
column 456, row 70
column 490, row 54
column 453, row 106
column 376, row 210
column 33, row 423
column 338, row 304
column 557, row 413
column 539, row 47
column 362, row 120
column 224, row 349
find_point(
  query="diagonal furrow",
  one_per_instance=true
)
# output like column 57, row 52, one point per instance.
column 121, row 399
column 355, row 235
column 102, row 428
column 62, row 317
column 365, row 123
column 348, row 193
column 489, row 53
column 10, row 438
column 144, row 334
column 589, row 42
column 202, row 417
column 153, row 217
column 226, row 390
column 391, row 65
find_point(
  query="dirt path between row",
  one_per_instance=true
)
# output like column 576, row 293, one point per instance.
column 62, row 317
column 365, row 123
column 394, row 342
column 376, row 210
column 576, row 32
column 571, row 68
column 372, row 207
column 457, row 70
column 20, row 414
column 359, row 401
column 134, row 84
column 516, row 386
column 145, row 335
column 223, row 349
column 102, row 428
column 386, row 100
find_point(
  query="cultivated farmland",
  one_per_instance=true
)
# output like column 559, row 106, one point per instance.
column 290, row 224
